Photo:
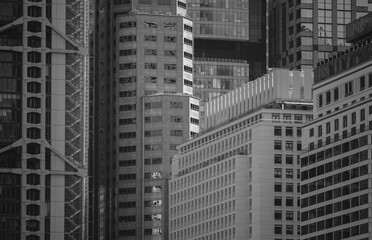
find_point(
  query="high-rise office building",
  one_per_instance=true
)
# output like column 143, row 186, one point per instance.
column 229, row 44
column 303, row 33
column 144, row 109
column 43, row 119
column 336, row 166
column 239, row 178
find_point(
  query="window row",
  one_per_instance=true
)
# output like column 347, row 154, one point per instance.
column 333, row 208
column 335, row 193
column 345, row 233
column 225, row 191
column 347, row 89
column 335, row 151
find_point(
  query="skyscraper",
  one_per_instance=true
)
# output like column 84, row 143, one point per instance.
column 229, row 40
column 335, row 166
column 145, row 108
column 303, row 33
column 239, row 178
column 43, row 119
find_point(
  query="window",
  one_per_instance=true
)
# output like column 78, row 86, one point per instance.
column 177, row 133
column 277, row 187
column 127, row 25
column 153, row 175
column 289, row 131
column 127, row 121
column 328, row 97
column 337, row 124
column 127, row 149
column 153, row 119
column 187, row 55
column 124, row 80
column 320, row 132
column 278, row 173
column 150, row 38
column 153, row 105
column 289, row 229
column 194, row 107
column 348, row 88
column 289, row 202
column 362, row 114
column 170, row 25
column 277, row 201
column 344, row 120
column 153, row 133
column 181, row 4
column 289, row 145
column 129, row 38
column 127, row 190
column 175, row 119
column 151, row 52
column 353, row 118
column 328, row 127
column 126, row 219
column 278, row 159
column 275, row 117
column 187, row 69
column 194, row 121
column 127, row 204
column 153, row 189
column 187, row 83
column 289, row 173
column 287, row 118
column 153, row 203
column 170, row 53
column 289, row 188
column 298, row 118
column 277, row 229
column 149, row 24
column 33, row 210
column 320, row 100
column 187, row 28
column 277, row 131
column 311, row 132
column 278, row 215
column 33, row 117
column 278, row 145
column 127, row 107
column 362, row 83
column 289, row 159
column 151, row 161
column 126, row 66
column 33, row 179
column 123, row 94
column 170, row 66
column 187, row 41
column 170, row 39
column 33, row 102
column 335, row 94
column 150, row 65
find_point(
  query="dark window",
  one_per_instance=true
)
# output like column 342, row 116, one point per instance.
column 277, row 131
column 362, row 82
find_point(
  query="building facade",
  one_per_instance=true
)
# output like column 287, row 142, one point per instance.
column 303, row 33
column 229, row 44
column 239, row 178
column 144, row 79
column 335, row 170
column 43, row 123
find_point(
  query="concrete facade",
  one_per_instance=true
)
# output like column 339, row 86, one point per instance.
column 336, row 168
column 239, row 178
column 144, row 79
